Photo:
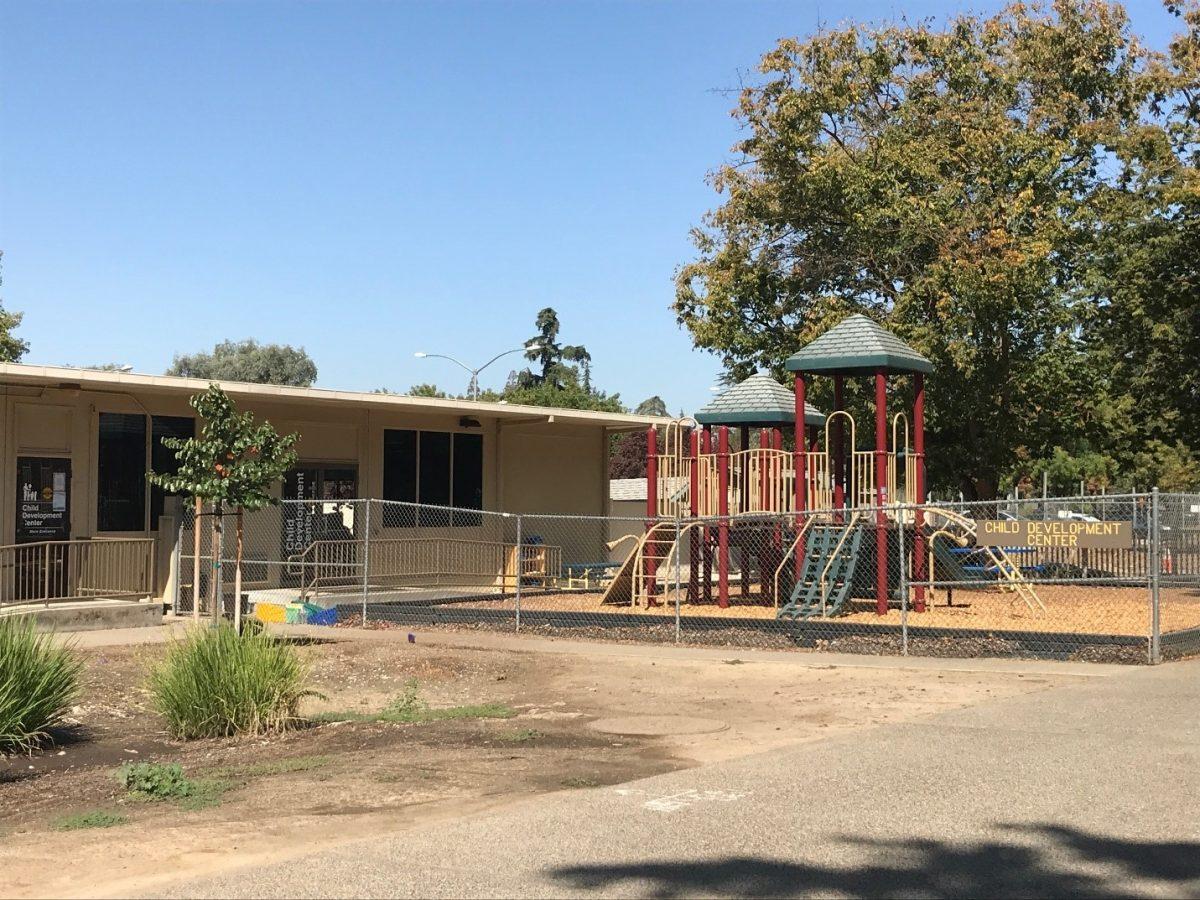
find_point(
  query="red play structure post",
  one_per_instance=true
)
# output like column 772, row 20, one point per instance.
column 651, row 506
column 693, row 593
column 839, row 443
column 723, row 516
column 800, row 464
column 881, row 562
column 919, row 550
column 706, row 450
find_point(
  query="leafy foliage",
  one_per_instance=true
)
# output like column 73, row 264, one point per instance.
column 155, row 781
column 249, row 361
column 234, row 460
column 218, row 683
column 39, row 681
column 628, row 457
column 12, row 348
column 1014, row 195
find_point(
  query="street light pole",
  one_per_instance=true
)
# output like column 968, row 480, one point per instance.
column 473, row 384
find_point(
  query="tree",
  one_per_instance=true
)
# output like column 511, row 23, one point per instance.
column 12, row 348
column 233, row 462
column 249, row 361
column 552, row 356
column 628, row 456
column 427, row 390
column 953, row 184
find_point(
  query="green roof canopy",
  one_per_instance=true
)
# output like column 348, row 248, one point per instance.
column 759, row 400
column 858, row 346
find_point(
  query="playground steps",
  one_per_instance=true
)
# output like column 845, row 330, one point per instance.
column 825, row 580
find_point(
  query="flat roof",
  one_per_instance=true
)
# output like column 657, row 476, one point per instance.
column 19, row 374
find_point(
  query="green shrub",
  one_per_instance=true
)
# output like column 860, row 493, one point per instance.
column 157, row 781
column 39, row 681
column 216, row 683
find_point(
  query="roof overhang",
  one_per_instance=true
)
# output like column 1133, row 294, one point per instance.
column 67, row 378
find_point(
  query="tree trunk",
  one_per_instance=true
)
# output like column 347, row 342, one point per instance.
column 214, row 584
column 237, row 578
column 197, row 522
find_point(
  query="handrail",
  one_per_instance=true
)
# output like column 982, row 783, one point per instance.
column 1004, row 564
column 791, row 550
column 833, row 556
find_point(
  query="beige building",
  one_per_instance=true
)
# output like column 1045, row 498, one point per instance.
column 77, row 445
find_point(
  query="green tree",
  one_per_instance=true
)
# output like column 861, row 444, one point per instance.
column 553, row 357
column 427, row 390
column 12, row 348
column 946, row 182
column 249, row 361
column 233, row 462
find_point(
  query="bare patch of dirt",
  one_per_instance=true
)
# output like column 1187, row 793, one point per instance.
column 290, row 794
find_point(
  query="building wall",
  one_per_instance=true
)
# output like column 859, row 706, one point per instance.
column 533, row 467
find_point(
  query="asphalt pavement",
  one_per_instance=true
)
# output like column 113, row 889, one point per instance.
column 1090, row 789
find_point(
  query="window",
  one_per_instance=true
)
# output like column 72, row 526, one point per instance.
column 433, row 468
column 162, row 459
column 468, row 479
column 121, row 488
column 125, row 446
column 400, row 465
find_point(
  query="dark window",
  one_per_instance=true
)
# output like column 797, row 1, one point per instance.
column 468, row 478
column 400, row 465
column 162, row 459
column 434, row 478
column 432, row 468
column 121, row 491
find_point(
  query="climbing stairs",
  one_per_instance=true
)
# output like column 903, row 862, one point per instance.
column 828, row 572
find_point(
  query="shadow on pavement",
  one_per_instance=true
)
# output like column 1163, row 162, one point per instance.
column 1049, row 861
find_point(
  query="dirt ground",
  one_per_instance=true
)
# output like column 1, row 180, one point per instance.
column 288, row 795
column 1080, row 609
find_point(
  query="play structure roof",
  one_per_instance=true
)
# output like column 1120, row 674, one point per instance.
column 858, row 346
column 759, row 400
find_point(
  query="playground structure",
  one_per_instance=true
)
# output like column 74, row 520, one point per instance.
column 848, row 506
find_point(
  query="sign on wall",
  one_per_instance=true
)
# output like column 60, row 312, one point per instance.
column 43, row 499
column 1068, row 533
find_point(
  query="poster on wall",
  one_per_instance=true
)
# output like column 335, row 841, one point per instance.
column 43, row 499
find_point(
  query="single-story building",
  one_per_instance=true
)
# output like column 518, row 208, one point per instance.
column 78, row 444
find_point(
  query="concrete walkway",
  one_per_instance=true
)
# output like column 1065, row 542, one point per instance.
column 1090, row 789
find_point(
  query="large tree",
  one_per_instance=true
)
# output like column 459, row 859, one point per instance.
column 953, row 183
column 249, row 361
column 12, row 348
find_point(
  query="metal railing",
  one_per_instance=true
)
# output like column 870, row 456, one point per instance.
column 64, row 571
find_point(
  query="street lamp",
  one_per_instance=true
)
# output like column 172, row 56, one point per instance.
column 473, row 385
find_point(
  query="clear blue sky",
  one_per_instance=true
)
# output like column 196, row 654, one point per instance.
column 371, row 179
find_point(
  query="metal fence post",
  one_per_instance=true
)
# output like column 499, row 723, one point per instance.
column 902, row 539
column 366, row 560
column 1155, row 563
column 520, row 569
column 678, row 554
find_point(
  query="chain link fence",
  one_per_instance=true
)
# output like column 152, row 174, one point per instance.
column 1111, row 578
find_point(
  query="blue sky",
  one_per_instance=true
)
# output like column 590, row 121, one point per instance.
column 372, row 179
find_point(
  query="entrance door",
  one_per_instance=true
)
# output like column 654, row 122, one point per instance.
column 311, row 513
column 43, row 514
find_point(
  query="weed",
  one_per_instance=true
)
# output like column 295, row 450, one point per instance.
column 217, row 683
column 273, row 767
column 39, row 681
column 521, row 735
column 96, row 819
column 166, row 781
column 155, row 781
column 409, row 708
column 580, row 781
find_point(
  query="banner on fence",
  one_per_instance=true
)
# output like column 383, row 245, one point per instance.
column 1070, row 533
